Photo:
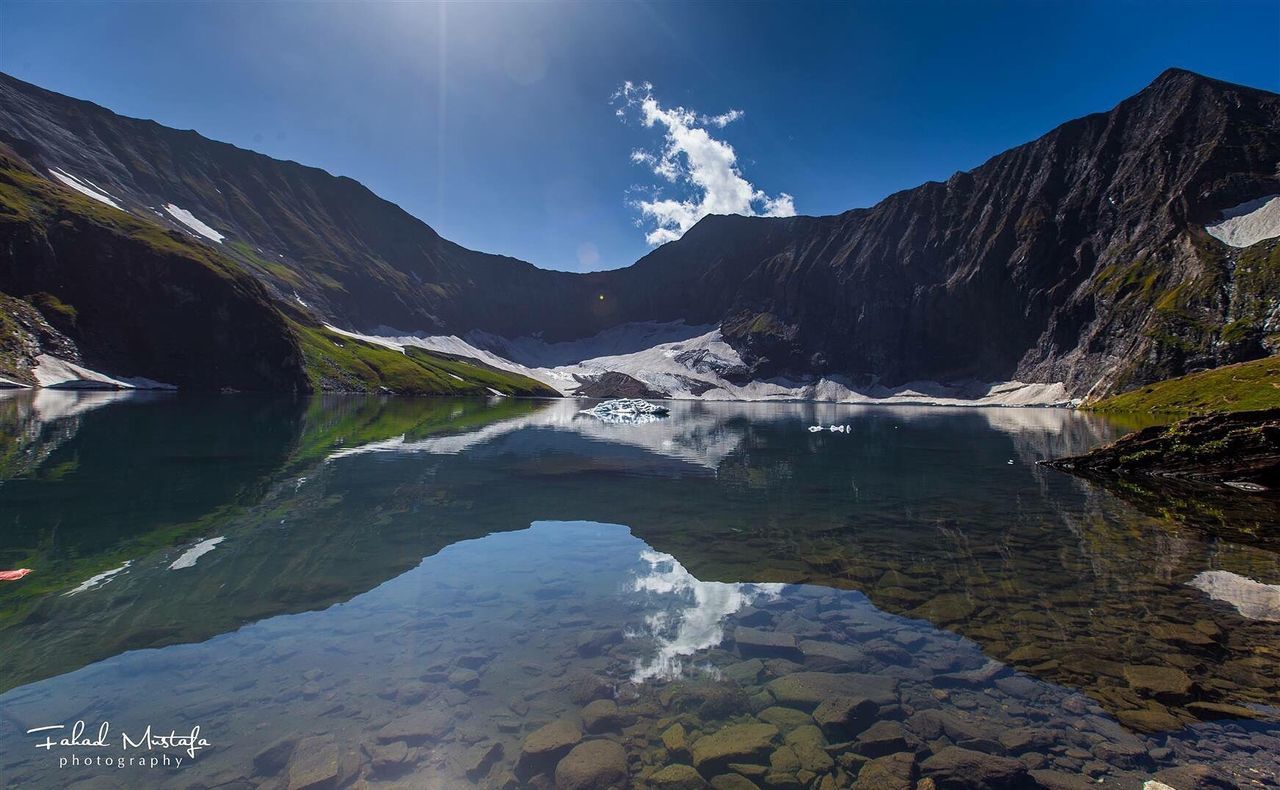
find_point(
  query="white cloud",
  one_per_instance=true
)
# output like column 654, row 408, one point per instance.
column 692, row 158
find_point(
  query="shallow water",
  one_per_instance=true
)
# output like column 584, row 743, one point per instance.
column 388, row 592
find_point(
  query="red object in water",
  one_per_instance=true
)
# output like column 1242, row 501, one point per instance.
column 13, row 576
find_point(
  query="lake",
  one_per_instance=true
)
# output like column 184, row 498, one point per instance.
column 389, row 592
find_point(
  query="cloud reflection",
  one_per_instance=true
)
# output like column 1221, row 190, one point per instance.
column 688, row 614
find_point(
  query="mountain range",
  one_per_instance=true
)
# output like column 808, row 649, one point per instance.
column 1120, row 248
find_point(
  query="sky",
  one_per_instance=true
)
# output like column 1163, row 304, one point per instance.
column 578, row 136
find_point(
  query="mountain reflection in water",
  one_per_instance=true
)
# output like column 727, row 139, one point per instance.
column 328, row 568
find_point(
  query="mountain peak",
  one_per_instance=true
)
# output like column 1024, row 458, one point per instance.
column 1174, row 77
column 1175, row 74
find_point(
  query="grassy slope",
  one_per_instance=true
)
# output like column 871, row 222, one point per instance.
column 1246, row 386
column 338, row 363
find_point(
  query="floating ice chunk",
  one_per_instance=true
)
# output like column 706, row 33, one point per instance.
column 1248, row 223
column 97, row 581
column 832, row 428
column 630, row 411
column 189, row 219
column 84, row 187
column 189, row 557
column 1253, row 599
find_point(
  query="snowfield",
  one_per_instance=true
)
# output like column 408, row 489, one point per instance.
column 189, row 219
column 696, row 367
column 1248, row 223
column 84, row 187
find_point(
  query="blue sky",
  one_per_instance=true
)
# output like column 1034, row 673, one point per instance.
column 497, row 123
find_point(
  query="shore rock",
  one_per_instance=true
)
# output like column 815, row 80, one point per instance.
column 1218, row 449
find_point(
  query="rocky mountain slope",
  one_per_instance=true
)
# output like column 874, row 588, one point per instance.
column 1085, row 257
column 87, row 287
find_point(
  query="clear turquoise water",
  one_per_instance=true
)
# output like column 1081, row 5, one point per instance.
column 398, row 593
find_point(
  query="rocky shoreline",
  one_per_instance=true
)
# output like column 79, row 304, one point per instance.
column 1238, row 451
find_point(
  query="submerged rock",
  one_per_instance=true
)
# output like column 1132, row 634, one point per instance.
column 807, row 690
column 891, row 772
column 593, row 765
column 732, row 781
column 1166, row 683
column 272, row 760
column 954, row 768
column 676, row 741
column 424, row 725
column 677, row 777
column 479, row 759
column 1153, row 719
column 737, row 743
column 543, row 748
column 755, row 643
column 601, row 716
column 314, row 764
column 845, row 716
column 881, row 739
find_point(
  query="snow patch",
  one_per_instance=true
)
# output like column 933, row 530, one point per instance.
column 97, row 581
column 1248, row 223
column 189, row 219
column 1252, row 599
column 189, row 557
column 624, row 339
column 54, row 373
column 84, row 187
